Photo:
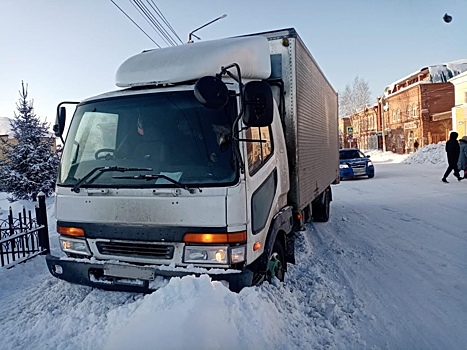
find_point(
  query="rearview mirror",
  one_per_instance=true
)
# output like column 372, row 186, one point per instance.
column 211, row 92
column 60, row 121
column 258, row 104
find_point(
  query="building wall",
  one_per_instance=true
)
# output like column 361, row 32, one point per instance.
column 344, row 137
column 436, row 99
column 459, row 111
column 365, row 128
column 420, row 111
column 402, row 120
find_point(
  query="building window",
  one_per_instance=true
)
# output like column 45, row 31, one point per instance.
column 465, row 96
column 414, row 110
column 409, row 110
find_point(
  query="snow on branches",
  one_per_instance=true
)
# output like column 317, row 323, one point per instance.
column 29, row 164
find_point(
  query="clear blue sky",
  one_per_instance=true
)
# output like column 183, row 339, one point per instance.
column 70, row 50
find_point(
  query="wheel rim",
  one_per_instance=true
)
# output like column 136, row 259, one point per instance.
column 275, row 267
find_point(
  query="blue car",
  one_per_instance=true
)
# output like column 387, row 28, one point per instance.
column 353, row 163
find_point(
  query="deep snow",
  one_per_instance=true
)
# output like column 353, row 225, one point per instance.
column 388, row 271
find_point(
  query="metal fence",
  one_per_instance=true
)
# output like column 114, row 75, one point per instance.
column 23, row 236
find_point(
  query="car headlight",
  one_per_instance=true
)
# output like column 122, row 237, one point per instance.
column 343, row 166
column 370, row 163
column 74, row 246
column 214, row 254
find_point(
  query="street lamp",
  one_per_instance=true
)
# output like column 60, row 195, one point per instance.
column 190, row 40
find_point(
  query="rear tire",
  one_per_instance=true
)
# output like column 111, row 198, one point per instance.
column 321, row 207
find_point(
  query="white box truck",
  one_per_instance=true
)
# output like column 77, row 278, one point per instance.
column 208, row 160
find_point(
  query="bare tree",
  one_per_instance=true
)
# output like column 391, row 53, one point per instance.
column 355, row 96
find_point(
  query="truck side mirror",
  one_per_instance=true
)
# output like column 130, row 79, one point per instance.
column 211, row 92
column 258, row 104
column 60, row 121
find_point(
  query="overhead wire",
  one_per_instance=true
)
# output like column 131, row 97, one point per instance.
column 161, row 15
column 152, row 20
column 139, row 8
column 135, row 24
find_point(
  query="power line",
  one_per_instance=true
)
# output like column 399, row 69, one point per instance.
column 161, row 15
column 135, row 23
column 152, row 20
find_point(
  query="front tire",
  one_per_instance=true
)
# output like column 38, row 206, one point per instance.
column 276, row 263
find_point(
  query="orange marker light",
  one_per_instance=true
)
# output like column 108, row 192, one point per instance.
column 299, row 216
column 225, row 237
column 256, row 246
column 70, row 231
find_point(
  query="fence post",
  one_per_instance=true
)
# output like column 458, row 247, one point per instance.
column 42, row 220
column 12, row 232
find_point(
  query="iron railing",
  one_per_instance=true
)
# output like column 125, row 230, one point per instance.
column 23, row 236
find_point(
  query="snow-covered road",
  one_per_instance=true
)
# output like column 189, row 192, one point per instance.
column 388, row 271
column 398, row 243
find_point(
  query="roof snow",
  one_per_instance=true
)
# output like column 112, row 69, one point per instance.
column 439, row 73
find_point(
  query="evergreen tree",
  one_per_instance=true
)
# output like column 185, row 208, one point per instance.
column 30, row 165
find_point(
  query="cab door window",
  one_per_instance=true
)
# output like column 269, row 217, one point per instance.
column 259, row 147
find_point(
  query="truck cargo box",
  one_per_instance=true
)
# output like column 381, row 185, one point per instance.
column 310, row 107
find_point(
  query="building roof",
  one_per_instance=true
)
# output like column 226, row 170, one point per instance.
column 439, row 73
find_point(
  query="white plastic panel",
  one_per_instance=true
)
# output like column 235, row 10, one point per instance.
column 191, row 61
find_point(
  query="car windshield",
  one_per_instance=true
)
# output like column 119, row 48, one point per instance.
column 350, row 154
column 168, row 133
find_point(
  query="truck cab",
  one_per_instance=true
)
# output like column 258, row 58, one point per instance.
column 150, row 176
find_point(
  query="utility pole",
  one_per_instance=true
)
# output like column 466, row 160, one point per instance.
column 384, row 108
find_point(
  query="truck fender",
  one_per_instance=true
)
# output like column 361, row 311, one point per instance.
column 281, row 222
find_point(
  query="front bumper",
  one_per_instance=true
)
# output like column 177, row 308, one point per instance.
column 349, row 172
column 130, row 278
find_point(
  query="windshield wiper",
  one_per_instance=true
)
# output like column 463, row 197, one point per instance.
column 158, row 176
column 104, row 169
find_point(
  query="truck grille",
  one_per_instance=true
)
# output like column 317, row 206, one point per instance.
column 136, row 249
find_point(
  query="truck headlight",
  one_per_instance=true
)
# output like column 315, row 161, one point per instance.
column 74, row 246
column 343, row 166
column 370, row 163
column 213, row 254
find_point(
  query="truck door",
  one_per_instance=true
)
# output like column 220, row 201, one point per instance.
column 262, row 184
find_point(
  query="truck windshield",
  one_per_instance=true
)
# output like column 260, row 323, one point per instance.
column 169, row 133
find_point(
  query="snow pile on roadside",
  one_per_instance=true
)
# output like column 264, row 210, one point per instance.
column 429, row 154
column 378, row 156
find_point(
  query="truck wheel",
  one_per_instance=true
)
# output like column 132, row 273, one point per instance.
column 371, row 176
column 321, row 207
column 276, row 263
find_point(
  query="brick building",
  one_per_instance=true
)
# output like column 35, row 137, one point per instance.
column 418, row 107
column 365, row 127
column 345, row 137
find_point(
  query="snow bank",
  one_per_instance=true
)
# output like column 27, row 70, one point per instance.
column 430, row 154
column 378, row 156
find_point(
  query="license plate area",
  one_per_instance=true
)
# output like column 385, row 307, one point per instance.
column 127, row 271
column 359, row 171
